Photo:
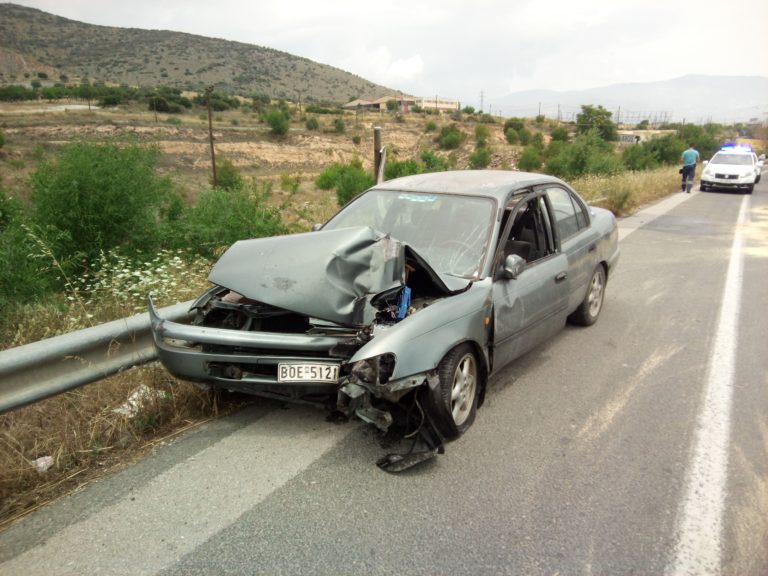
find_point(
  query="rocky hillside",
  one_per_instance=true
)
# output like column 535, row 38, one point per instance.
column 33, row 42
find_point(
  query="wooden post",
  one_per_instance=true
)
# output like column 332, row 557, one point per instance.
column 210, row 134
column 376, row 151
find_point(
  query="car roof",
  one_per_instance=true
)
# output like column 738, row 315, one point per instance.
column 489, row 183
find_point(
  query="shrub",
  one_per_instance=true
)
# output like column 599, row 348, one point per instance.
column 480, row 158
column 227, row 175
column 537, row 141
column 404, row 168
column 433, row 162
column 329, row 177
column 339, row 125
column 511, row 135
column 530, row 159
column 596, row 118
column 221, row 217
column 278, row 121
column 515, row 123
column 588, row 154
column 95, row 197
column 451, row 137
column 481, row 135
column 312, row 123
column 540, row 119
column 353, row 181
column 2, row 139
column 430, row 126
column 559, row 134
column 468, row 110
column 356, row 139
column 525, row 136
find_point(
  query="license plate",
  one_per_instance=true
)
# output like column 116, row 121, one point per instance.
column 308, row 373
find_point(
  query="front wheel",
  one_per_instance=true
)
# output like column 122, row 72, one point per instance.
column 589, row 309
column 452, row 404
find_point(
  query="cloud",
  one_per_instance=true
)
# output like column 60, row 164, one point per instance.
column 378, row 65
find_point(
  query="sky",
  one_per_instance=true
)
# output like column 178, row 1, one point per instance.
column 472, row 51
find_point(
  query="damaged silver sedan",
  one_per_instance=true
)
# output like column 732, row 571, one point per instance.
column 399, row 308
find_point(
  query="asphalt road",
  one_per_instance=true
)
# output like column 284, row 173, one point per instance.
column 636, row 446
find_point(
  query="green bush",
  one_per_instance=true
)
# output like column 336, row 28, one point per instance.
column 530, row 159
column 329, row 177
column 228, row 176
column 481, row 135
column 559, row 134
column 430, row 126
column 95, row 197
column 353, row 181
column 516, row 124
column 278, row 121
column 433, row 162
column 540, row 119
column 2, row 139
column 525, row 136
column 537, row 141
column 339, row 125
column 480, row 158
column 596, row 118
column 404, row 168
column 312, row 123
column 221, row 217
column 511, row 135
column 589, row 153
column 451, row 137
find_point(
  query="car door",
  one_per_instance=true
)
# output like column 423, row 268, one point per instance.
column 531, row 307
column 577, row 240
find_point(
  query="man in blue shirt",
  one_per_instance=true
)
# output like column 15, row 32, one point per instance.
column 690, row 158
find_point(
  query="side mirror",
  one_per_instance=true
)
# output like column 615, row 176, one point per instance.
column 513, row 266
column 316, row 227
column 706, row 162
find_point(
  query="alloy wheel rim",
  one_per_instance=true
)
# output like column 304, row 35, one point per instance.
column 463, row 389
column 596, row 294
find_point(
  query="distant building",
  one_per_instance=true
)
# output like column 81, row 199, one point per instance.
column 404, row 104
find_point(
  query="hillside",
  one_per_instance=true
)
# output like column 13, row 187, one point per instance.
column 32, row 41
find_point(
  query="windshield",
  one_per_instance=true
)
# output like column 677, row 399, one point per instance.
column 736, row 159
column 449, row 231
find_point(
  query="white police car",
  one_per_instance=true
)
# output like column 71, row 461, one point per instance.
column 733, row 167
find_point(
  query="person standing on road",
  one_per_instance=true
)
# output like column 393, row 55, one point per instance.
column 690, row 158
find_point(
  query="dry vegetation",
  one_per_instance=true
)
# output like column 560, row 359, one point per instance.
column 80, row 430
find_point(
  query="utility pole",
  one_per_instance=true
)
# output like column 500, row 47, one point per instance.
column 210, row 133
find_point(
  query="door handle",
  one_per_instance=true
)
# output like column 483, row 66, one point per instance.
column 592, row 247
column 562, row 276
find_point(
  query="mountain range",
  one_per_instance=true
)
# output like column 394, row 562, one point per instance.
column 693, row 98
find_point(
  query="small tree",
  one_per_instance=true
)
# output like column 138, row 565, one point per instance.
column 278, row 120
column 228, row 177
column 530, row 159
column 312, row 123
column 559, row 134
column 511, row 135
column 597, row 118
column 480, row 158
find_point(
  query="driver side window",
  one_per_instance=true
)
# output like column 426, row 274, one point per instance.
column 530, row 236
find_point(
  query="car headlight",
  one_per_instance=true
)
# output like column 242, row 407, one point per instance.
column 748, row 173
column 376, row 370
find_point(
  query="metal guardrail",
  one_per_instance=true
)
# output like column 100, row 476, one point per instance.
column 41, row 369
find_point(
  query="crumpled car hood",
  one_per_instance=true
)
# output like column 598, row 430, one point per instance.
column 331, row 275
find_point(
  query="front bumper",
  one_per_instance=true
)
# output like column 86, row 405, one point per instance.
column 726, row 182
column 239, row 360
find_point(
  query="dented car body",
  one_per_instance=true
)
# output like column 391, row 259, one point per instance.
column 403, row 304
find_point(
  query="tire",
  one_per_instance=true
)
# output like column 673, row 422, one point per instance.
column 703, row 187
column 452, row 405
column 750, row 188
column 589, row 309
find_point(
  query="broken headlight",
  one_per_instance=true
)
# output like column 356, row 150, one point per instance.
column 376, row 370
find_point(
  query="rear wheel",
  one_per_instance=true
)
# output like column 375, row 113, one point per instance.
column 589, row 309
column 452, row 404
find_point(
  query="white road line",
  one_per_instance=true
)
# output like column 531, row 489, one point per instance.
column 154, row 526
column 636, row 221
column 698, row 549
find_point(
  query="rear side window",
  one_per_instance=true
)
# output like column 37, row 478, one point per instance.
column 568, row 214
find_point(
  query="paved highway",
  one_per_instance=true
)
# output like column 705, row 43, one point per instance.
column 636, row 446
